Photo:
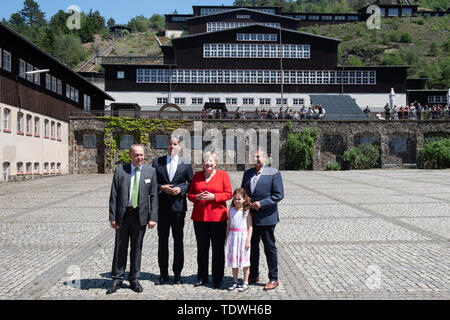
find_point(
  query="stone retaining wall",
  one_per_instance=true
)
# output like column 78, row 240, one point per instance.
column 400, row 141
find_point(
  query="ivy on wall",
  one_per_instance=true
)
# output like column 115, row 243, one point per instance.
column 140, row 129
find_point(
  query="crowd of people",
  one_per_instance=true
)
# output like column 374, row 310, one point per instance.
column 414, row 112
column 311, row 113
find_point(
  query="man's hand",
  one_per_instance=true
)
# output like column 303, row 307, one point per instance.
column 114, row 225
column 170, row 189
column 151, row 224
column 255, row 205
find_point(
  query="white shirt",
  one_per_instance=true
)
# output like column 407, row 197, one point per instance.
column 175, row 165
column 254, row 180
column 133, row 172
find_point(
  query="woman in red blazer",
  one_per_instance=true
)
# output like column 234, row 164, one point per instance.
column 209, row 191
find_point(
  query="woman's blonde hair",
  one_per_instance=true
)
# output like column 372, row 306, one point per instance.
column 209, row 154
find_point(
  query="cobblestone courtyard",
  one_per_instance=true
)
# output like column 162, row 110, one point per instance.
column 378, row 234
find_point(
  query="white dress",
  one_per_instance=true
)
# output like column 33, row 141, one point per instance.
column 235, row 253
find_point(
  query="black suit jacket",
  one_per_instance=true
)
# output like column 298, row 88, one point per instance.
column 182, row 178
column 120, row 193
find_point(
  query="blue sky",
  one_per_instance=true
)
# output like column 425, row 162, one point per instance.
column 121, row 10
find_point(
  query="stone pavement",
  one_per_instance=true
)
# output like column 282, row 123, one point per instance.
column 377, row 234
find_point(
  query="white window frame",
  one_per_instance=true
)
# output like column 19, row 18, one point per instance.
column 22, row 68
column 30, row 77
column 6, row 60
column 6, row 124
column 120, row 74
column 5, row 171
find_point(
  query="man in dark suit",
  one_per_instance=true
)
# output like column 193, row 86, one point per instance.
column 264, row 186
column 133, row 204
column 174, row 176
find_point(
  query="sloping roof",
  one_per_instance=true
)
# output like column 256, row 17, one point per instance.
column 252, row 26
column 92, row 86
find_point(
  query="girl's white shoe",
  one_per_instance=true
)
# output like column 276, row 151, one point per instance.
column 243, row 288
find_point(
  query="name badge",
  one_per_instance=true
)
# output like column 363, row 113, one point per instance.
column 147, row 181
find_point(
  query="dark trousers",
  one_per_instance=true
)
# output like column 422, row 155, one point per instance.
column 167, row 220
column 130, row 231
column 267, row 235
column 214, row 233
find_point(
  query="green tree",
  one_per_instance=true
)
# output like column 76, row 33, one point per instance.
column 32, row 14
column 111, row 22
column 354, row 61
column 139, row 24
column 392, row 59
column 157, row 22
column 434, row 49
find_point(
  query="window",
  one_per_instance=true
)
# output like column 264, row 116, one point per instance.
column 58, row 131
column 406, row 12
column 214, row 100
column 46, row 168
column 256, row 37
column 279, row 101
column 67, row 91
column 20, row 123
column 161, row 100
column 89, row 141
column 87, row 103
column 248, row 101
column 58, row 168
column 37, row 77
column 5, row 171
column 46, row 129
column 393, row 12
column 243, row 16
column 76, row 96
column 48, row 82
column 22, row 69
column 29, row 167
column 313, row 17
column 36, row 127
column 161, row 142
column 52, row 130
column 52, row 168
column 231, row 101
column 30, row 68
column 6, row 120
column 197, row 100
column 6, row 60
column 180, row 100
column 339, row 18
column 28, row 125
column 120, row 74
column 59, row 87
column 299, row 101
column 36, row 168
column 265, row 101
column 126, row 142
column 19, row 168
column 255, row 50
column 327, row 18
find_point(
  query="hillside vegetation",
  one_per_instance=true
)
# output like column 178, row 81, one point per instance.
column 422, row 43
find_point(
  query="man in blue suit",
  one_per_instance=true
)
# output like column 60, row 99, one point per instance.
column 264, row 186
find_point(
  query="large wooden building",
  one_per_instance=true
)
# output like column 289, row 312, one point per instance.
column 249, row 58
column 35, row 107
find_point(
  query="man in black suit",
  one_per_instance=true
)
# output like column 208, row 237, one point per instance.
column 133, row 204
column 174, row 176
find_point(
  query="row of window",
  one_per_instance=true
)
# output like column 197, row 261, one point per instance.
column 232, row 101
column 256, row 37
column 288, row 51
column 218, row 26
column 208, row 11
column 255, row 76
column 437, row 99
column 31, row 169
column 29, row 126
column 315, row 17
column 51, row 83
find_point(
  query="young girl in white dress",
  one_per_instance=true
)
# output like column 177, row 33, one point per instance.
column 239, row 234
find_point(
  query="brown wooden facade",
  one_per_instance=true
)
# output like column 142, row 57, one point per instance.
column 36, row 97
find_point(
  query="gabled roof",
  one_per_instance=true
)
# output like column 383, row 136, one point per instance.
column 242, row 10
column 75, row 74
column 252, row 26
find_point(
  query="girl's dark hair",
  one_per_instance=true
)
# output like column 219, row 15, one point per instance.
column 244, row 195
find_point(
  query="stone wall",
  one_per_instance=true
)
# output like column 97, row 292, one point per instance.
column 400, row 141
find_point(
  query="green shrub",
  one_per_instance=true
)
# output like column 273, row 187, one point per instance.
column 420, row 21
column 334, row 166
column 405, row 37
column 392, row 59
column 364, row 156
column 355, row 61
column 435, row 155
column 300, row 149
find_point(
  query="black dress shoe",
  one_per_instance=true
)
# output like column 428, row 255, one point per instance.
column 162, row 280
column 177, row 279
column 136, row 287
column 217, row 285
column 114, row 287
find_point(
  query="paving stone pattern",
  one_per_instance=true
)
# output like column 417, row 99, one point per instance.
column 377, row 234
